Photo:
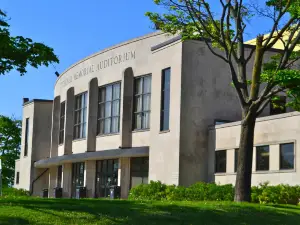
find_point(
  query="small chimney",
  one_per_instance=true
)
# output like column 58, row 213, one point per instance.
column 25, row 100
column 56, row 73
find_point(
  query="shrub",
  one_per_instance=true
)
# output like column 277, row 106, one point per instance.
column 13, row 192
column 197, row 192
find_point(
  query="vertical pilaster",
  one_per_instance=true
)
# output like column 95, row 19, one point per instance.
column 125, row 176
column 90, row 178
column 92, row 115
column 69, row 121
column 67, row 180
column 274, row 157
column 55, row 127
column 230, row 161
column 52, row 181
column 127, row 107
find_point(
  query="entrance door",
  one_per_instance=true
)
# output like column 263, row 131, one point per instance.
column 106, row 175
column 77, row 177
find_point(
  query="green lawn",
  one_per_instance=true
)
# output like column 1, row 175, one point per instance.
column 94, row 211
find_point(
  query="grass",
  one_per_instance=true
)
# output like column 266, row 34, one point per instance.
column 24, row 210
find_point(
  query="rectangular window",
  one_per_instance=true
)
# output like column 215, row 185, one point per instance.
column 277, row 105
column 109, row 109
column 142, row 102
column 62, row 123
column 80, row 116
column 262, row 158
column 139, row 171
column 287, row 156
column 18, row 178
column 26, row 137
column 236, row 157
column 59, row 176
column 165, row 100
column 220, row 166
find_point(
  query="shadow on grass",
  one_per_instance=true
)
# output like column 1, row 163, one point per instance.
column 10, row 220
column 133, row 212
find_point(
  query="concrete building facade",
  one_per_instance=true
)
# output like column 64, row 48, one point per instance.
column 143, row 110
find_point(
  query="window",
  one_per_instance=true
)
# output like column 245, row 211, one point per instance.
column 139, row 170
column 77, row 177
column 142, row 96
column 236, row 157
column 287, row 156
column 220, row 166
column 219, row 122
column 109, row 109
column 62, row 123
column 279, row 106
column 59, row 176
column 262, row 158
column 80, row 116
column 165, row 100
column 18, row 178
column 26, row 137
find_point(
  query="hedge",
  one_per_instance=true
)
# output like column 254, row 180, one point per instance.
column 263, row 194
column 13, row 192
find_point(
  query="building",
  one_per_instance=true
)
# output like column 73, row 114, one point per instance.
column 152, row 108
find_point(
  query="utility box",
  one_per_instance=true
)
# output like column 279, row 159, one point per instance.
column 115, row 192
column 45, row 193
column 80, row 192
column 57, row 192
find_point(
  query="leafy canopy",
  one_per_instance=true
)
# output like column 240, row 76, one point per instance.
column 19, row 52
column 195, row 19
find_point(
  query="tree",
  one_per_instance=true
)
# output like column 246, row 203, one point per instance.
column 10, row 140
column 225, row 30
column 19, row 52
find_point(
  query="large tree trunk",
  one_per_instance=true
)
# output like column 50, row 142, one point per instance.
column 245, row 155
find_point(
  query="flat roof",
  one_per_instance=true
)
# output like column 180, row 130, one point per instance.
column 97, row 155
column 37, row 100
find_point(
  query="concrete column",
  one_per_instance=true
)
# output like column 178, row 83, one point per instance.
column 125, row 176
column 52, row 181
column 92, row 115
column 69, row 125
column 55, row 127
column 274, row 157
column 126, row 109
column 67, row 180
column 230, row 161
column 90, row 178
column 254, row 160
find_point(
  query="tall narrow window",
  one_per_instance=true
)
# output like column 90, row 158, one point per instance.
column 262, row 158
column 80, row 116
column 59, row 176
column 142, row 101
column 109, row 109
column 165, row 100
column 62, row 123
column 277, row 105
column 26, row 137
column 220, row 160
column 287, row 156
column 236, row 157
column 18, row 178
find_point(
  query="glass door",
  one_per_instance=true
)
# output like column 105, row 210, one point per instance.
column 77, row 177
column 106, row 176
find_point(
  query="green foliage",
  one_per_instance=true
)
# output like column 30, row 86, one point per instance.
column 13, row 192
column 10, row 140
column 19, row 52
column 197, row 192
column 279, row 194
column 263, row 194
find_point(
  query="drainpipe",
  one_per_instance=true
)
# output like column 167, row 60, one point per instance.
column 32, row 183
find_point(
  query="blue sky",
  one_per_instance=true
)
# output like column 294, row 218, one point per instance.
column 75, row 29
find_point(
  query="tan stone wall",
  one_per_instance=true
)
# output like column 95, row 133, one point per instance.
column 270, row 130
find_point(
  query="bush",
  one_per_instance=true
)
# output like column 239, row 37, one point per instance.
column 279, row 194
column 263, row 194
column 13, row 192
column 197, row 192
